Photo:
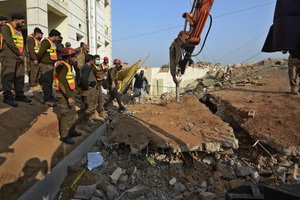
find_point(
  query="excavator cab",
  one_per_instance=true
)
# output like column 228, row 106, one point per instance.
column 182, row 48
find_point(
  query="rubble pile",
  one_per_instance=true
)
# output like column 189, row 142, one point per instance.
column 189, row 175
column 194, row 150
column 220, row 76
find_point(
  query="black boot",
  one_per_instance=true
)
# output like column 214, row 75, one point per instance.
column 67, row 140
column 23, row 98
column 10, row 101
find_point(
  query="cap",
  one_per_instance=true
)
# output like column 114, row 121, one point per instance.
column 37, row 30
column 105, row 58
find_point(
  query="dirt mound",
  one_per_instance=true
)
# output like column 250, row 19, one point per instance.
column 181, row 127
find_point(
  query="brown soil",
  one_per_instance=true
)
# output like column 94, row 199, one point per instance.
column 29, row 146
column 276, row 119
column 184, row 126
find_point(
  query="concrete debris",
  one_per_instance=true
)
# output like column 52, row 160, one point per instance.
column 207, row 196
column 116, row 174
column 112, row 192
column 198, row 158
column 172, row 181
column 85, row 192
column 243, row 170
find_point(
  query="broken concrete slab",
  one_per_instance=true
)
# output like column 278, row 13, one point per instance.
column 163, row 126
column 85, row 192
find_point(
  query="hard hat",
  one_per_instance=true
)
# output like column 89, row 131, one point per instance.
column 117, row 61
column 105, row 58
column 67, row 52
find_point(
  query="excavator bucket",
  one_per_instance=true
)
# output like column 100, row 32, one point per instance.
column 126, row 77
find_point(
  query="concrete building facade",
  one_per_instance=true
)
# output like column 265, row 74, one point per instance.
column 78, row 20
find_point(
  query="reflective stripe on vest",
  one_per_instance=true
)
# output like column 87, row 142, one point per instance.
column 69, row 76
column 52, row 50
column 17, row 37
column 37, row 44
column 1, row 41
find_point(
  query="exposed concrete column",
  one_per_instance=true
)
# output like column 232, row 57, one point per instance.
column 37, row 15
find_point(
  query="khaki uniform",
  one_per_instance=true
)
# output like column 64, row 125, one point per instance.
column 34, row 73
column 294, row 70
column 100, row 72
column 88, row 92
column 46, row 70
column 67, row 116
column 12, row 68
column 113, row 87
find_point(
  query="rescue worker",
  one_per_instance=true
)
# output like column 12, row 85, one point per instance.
column 12, row 60
column 139, row 82
column 33, row 47
column 47, row 56
column 87, row 85
column 101, row 72
column 59, row 46
column 113, row 85
column 3, row 21
column 105, row 65
column 64, row 83
column 68, row 45
column 83, row 51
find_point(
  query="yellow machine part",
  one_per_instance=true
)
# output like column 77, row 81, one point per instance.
column 127, row 75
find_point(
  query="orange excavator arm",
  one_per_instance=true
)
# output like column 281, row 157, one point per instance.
column 183, row 46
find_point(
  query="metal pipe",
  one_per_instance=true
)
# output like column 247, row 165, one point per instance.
column 177, row 92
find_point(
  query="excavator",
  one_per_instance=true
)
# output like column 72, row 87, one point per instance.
column 181, row 49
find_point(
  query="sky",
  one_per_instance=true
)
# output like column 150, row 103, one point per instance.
column 145, row 29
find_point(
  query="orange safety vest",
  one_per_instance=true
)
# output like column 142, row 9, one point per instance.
column 37, row 44
column 70, row 77
column 17, row 37
column 52, row 50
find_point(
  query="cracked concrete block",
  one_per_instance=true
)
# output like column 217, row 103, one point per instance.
column 212, row 147
column 112, row 192
column 85, row 192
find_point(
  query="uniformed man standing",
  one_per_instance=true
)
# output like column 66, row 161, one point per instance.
column 3, row 21
column 113, row 85
column 47, row 56
column 33, row 47
column 12, row 60
column 64, row 83
column 101, row 74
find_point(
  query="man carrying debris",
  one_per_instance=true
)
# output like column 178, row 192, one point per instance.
column 12, row 60
column 64, row 82
column 100, row 72
column 47, row 56
column 140, row 80
column 284, row 35
column 33, row 47
column 113, row 85
column 89, row 94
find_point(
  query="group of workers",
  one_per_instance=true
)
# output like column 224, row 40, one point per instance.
column 72, row 72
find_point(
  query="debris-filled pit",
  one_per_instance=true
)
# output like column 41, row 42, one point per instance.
column 154, row 152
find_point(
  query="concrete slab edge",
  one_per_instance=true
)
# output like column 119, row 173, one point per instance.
column 48, row 188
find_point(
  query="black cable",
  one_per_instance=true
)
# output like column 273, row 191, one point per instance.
column 210, row 17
